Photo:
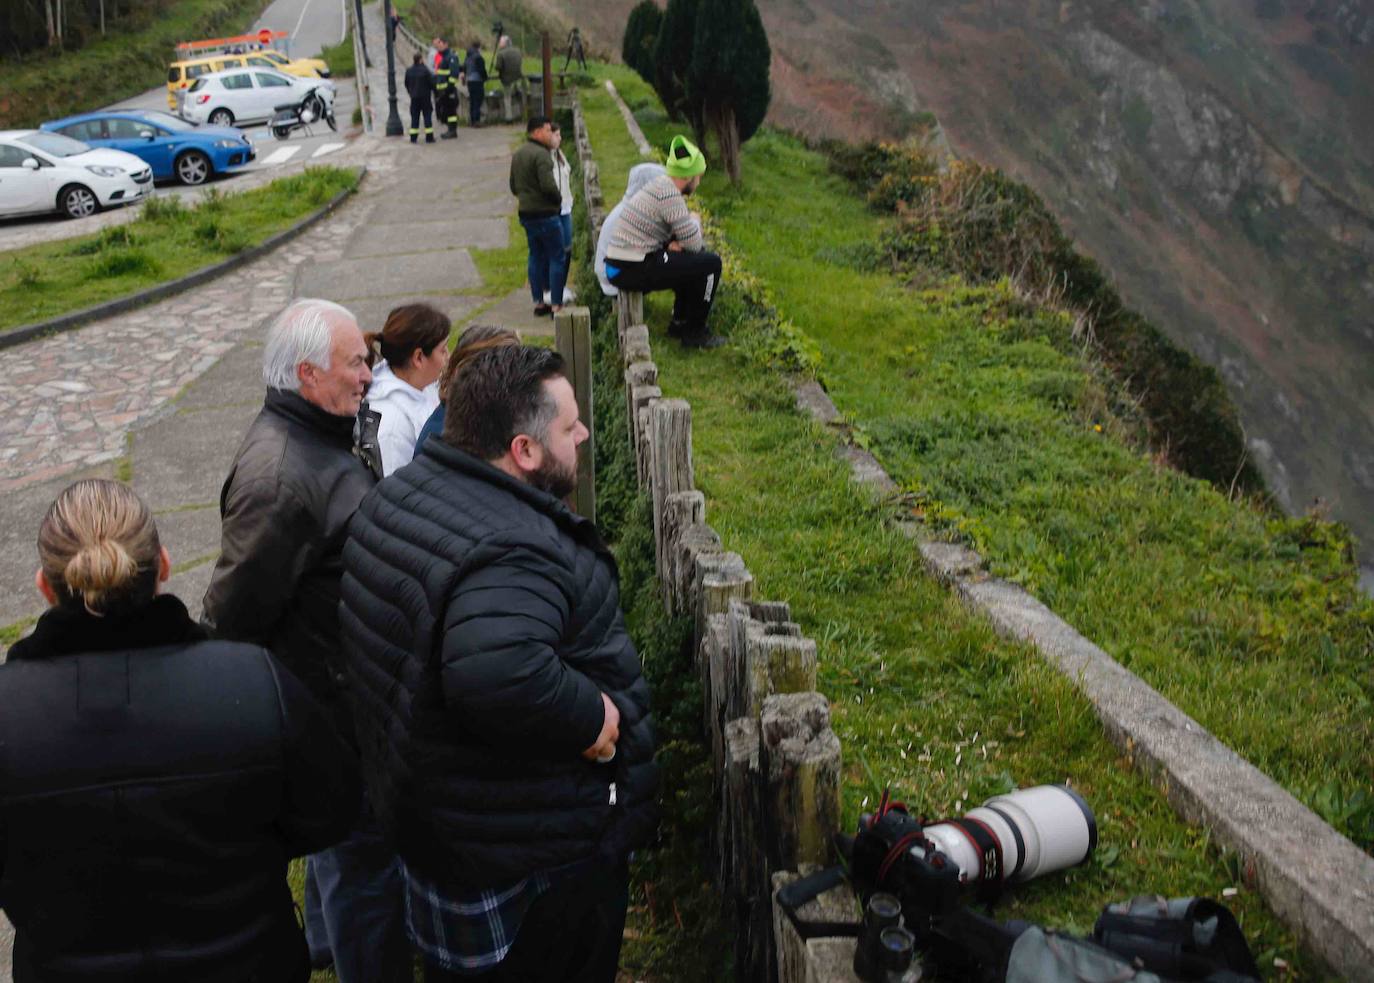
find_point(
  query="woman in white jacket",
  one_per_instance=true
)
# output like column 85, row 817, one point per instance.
column 562, row 175
column 405, row 382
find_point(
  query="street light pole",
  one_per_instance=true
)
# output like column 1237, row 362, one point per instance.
column 393, row 117
column 362, row 35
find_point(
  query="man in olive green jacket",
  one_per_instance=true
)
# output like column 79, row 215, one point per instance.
column 533, row 183
column 510, row 68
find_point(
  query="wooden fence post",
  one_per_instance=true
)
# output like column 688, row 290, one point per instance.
column 637, row 375
column 683, row 514
column 670, row 457
column 777, row 659
column 799, row 761
column 629, row 310
column 573, row 338
column 742, row 867
column 634, row 345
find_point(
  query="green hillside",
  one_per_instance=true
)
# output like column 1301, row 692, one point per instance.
column 1005, row 430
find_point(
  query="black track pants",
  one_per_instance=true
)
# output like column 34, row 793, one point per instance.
column 692, row 277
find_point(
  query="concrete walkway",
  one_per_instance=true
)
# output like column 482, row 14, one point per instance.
column 162, row 396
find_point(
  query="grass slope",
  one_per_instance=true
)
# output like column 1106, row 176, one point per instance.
column 985, row 407
column 989, row 412
column 925, row 695
column 165, row 242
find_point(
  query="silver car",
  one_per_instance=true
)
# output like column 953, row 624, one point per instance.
column 239, row 96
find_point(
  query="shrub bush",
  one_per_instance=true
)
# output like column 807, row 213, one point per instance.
column 641, row 35
column 975, row 221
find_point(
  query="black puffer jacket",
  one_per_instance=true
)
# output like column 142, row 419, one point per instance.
column 419, row 84
column 481, row 621
column 152, row 787
column 294, row 485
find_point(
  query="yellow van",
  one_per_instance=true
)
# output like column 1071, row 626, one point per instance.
column 183, row 72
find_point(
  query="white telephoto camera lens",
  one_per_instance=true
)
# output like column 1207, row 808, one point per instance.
column 1039, row 830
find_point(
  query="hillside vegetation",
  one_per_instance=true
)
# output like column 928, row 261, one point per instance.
column 131, row 59
column 924, row 696
column 1216, row 158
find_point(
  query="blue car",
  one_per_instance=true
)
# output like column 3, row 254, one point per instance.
column 172, row 147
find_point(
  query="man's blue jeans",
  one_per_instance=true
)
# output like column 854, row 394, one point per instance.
column 355, row 910
column 548, row 265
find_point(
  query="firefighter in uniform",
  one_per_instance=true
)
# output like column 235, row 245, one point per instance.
column 419, row 85
column 446, row 89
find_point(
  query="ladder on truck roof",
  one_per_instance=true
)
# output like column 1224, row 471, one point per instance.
column 223, row 46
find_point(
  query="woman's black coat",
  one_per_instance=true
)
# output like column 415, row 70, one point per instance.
column 153, row 786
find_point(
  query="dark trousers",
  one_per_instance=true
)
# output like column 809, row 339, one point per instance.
column 548, row 263
column 571, row 934
column 566, row 222
column 416, row 109
column 446, row 104
column 692, row 277
column 355, row 909
column 477, row 93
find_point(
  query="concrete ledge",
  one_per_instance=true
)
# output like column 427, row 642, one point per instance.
column 66, row 322
column 1316, row 880
column 631, row 124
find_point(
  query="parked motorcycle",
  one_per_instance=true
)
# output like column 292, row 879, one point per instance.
column 300, row 116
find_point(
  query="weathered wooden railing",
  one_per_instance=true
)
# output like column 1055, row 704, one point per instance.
column 776, row 759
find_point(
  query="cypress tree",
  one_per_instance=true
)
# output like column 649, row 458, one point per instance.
column 728, row 76
column 673, row 58
column 641, row 34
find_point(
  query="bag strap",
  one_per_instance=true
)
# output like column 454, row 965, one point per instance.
column 1229, row 949
column 792, row 896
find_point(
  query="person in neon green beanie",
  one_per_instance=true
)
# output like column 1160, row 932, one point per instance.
column 656, row 244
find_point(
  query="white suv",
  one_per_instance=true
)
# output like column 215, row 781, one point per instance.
column 239, row 96
column 44, row 172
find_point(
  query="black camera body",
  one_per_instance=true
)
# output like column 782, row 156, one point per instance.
column 891, row 854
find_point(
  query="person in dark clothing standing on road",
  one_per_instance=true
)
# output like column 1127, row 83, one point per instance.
column 296, row 480
column 420, row 88
column 656, row 244
column 502, row 714
column 153, row 784
column 445, row 88
column 534, row 184
column 475, row 74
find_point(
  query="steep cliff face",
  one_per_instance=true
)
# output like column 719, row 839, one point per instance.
column 1218, row 158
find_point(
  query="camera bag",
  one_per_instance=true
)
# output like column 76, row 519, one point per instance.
column 1184, row 938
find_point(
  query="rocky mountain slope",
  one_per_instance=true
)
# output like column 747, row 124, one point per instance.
column 1218, row 158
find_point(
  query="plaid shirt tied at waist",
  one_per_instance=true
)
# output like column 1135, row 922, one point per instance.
column 467, row 931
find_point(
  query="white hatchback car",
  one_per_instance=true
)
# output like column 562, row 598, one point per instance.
column 238, row 96
column 45, row 172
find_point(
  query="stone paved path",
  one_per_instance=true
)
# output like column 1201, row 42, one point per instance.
column 161, row 396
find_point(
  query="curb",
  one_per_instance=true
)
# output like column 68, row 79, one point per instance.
column 67, row 322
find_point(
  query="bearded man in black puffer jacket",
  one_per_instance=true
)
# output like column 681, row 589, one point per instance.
column 499, row 703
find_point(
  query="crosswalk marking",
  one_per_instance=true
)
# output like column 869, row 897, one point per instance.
column 281, row 155
column 326, row 148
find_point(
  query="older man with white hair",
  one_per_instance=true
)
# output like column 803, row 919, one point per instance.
column 294, row 485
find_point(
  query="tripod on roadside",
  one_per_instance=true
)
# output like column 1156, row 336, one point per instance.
column 575, row 50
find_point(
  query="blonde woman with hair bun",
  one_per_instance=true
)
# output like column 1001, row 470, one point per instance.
column 98, row 544
column 154, row 783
